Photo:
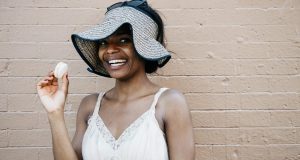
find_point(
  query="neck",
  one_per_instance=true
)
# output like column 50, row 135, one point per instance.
column 132, row 88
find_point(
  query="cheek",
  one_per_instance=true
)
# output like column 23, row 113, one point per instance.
column 137, row 60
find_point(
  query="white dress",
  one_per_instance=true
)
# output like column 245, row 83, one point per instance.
column 142, row 140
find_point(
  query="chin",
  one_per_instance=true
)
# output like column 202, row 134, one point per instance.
column 120, row 76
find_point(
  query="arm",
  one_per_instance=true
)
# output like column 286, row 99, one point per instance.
column 178, row 126
column 84, row 111
column 53, row 98
column 62, row 148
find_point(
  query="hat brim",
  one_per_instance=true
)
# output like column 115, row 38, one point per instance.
column 145, row 44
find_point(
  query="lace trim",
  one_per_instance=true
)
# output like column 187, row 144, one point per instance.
column 126, row 134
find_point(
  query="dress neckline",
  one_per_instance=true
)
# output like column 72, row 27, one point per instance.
column 127, row 132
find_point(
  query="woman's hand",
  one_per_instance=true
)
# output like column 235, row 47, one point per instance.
column 52, row 97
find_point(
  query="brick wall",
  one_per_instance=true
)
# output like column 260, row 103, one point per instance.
column 237, row 62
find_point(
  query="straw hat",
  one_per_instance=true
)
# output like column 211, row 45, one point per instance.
column 144, row 33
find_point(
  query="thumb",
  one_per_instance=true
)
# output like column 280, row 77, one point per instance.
column 65, row 83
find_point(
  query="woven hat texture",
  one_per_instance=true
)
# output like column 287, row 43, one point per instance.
column 144, row 32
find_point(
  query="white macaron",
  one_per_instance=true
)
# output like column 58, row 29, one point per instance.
column 60, row 69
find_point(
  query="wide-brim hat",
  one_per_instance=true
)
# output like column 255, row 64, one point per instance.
column 144, row 34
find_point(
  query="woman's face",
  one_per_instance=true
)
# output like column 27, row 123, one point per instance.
column 118, row 56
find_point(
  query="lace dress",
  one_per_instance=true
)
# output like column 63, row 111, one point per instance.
column 142, row 140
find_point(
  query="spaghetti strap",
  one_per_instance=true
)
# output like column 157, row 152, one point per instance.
column 142, row 138
column 156, row 97
column 97, row 106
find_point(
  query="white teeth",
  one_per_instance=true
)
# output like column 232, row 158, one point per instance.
column 116, row 64
column 116, row 61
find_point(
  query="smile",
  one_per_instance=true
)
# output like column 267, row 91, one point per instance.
column 116, row 62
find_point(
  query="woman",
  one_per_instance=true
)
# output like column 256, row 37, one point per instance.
column 136, row 119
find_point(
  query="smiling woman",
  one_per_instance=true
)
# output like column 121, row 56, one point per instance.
column 118, row 56
column 134, row 120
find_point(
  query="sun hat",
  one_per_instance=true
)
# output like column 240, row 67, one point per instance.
column 144, row 34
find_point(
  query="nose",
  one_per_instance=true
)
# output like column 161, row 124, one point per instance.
column 112, row 48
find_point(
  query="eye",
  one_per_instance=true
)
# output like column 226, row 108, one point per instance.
column 125, row 40
column 102, row 44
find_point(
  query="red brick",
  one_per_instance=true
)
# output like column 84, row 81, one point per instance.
column 255, row 119
column 266, row 4
column 276, row 101
column 3, row 102
column 4, row 85
column 23, row 103
column 58, row 4
column 215, row 119
column 3, row 139
column 283, row 118
column 213, row 101
column 268, row 67
column 37, row 33
column 194, row 50
column 55, row 16
column 281, row 136
column 199, row 67
column 73, row 102
column 284, row 151
column 19, row 50
column 19, row 153
column 216, row 136
column 213, row 4
column 285, row 84
column 59, row 51
column 225, row 152
column 253, row 136
column 16, row 67
column 45, row 154
column 254, row 153
column 82, row 85
column 4, row 67
column 43, row 122
column 17, row 120
column 34, row 138
column 21, row 85
column 284, row 50
column 203, row 152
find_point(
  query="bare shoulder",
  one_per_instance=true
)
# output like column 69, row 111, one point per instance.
column 172, row 96
column 87, row 105
column 90, row 99
column 173, row 103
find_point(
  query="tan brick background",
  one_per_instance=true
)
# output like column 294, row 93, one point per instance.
column 237, row 62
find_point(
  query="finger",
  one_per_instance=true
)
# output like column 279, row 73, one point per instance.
column 65, row 83
column 51, row 73
column 55, row 79
column 49, row 78
column 42, row 83
column 54, row 83
column 46, row 79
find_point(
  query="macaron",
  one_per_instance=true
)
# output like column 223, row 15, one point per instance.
column 60, row 69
